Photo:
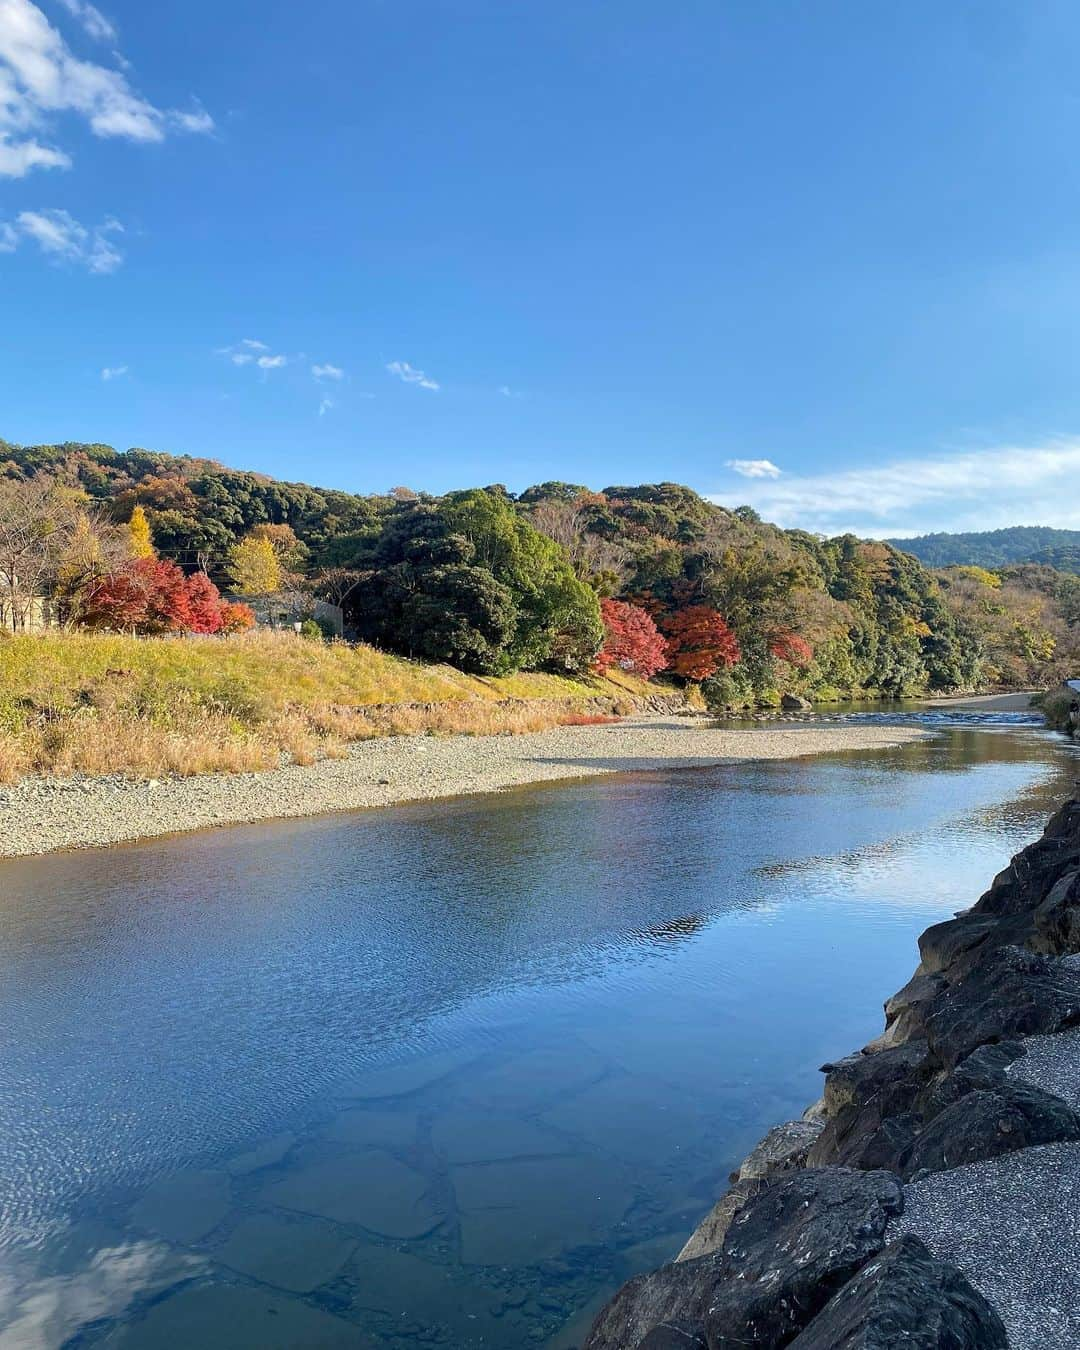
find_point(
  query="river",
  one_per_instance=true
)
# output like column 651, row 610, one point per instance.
column 446, row 1075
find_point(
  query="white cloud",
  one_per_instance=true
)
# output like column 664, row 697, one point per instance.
column 325, row 406
column 63, row 239
column 251, row 352
column 410, row 375
column 954, row 490
column 113, row 372
column 93, row 21
column 754, row 468
column 328, row 372
column 41, row 77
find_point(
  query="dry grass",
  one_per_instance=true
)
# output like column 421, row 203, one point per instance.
column 76, row 703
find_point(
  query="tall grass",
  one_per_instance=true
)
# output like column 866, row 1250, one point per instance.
column 146, row 707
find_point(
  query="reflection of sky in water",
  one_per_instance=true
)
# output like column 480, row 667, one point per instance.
column 645, row 973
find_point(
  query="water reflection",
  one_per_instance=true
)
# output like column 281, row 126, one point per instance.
column 444, row 1074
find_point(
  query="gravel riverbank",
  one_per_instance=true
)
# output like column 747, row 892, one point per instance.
column 42, row 815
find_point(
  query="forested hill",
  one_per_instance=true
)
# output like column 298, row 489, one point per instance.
column 560, row 577
column 998, row 548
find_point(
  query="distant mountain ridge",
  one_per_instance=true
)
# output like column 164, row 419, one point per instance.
column 997, row 548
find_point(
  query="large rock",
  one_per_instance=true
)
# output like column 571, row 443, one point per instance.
column 1011, row 993
column 789, row 1249
column 868, row 1099
column 1034, row 872
column 783, row 1149
column 907, row 1010
column 793, row 703
column 709, row 1235
column 673, row 1298
column 905, row 1297
column 989, row 1122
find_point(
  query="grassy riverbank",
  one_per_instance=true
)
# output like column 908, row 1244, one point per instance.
column 79, row 703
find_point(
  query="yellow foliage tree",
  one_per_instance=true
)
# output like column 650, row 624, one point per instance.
column 140, row 540
column 254, row 567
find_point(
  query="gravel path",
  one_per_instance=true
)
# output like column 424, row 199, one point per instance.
column 42, row 815
column 1013, row 1224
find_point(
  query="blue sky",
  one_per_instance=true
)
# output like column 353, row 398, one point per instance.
column 820, row 257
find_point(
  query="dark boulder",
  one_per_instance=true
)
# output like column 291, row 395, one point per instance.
column 1056, row 922
column 675, row 1296
column 709, row 1235
column 867, row 1098
column 1011, row 993
column 1034, row 872
column 906, row 1011
column 888, row 1077
column 905, row 1297
column 989, row 1122
column 863, row 1139
column 945, row 947
column 673, row 1337
column 791, row 1248
column 783, row 1149
column 983, row 1068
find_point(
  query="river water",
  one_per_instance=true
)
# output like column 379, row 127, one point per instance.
column 446, row 1075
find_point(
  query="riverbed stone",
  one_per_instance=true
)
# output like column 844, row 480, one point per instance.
column 408, row 1076
column 533, row 1081
column 267, row 1153
column 637, row 1119
column 905, row 1296
column 370, row 1128
column 296, row 1254
column 236, row 1317
column 184, row 1207
column 521, row 1212
column 479, row 1136
column 1033, row 872
column 371, row 1189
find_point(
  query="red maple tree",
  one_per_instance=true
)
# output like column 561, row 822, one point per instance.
column 699, row 642
column 792, row 648
column 631, row 640
column 153, row 596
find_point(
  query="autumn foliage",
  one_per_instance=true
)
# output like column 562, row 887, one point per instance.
column 699, row 642
column 631, row 640
column 792, row 648
column 152, row 596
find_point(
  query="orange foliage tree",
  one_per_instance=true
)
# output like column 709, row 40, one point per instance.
column 699, row 642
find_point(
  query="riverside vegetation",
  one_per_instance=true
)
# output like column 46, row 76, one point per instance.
column 478, row 610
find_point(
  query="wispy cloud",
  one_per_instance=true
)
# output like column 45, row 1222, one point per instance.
column 325, row 406
column 63, row 239
column 113, row 372
column 40, row 78
column 754, row 468
column 411, row 375
column 953, row 490
column 251, row 352
column 328, row 372
column 93, row 21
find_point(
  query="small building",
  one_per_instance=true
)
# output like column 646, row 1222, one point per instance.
column 283, row 610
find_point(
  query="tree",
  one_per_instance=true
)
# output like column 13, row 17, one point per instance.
column 152, row 596
column 254, row 567
column 35, row 527
column 699, row 642
column 140, row 541
column 631, row 640
column 204, row 605
column 792, row 648
column 463, row 616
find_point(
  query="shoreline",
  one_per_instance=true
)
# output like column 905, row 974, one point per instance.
column 930, row 1195
column 47, row 815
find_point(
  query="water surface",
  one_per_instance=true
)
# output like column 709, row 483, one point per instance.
column 445, row 1075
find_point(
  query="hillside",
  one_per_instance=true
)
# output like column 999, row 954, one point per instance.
column 997, row 548
column 554, row 579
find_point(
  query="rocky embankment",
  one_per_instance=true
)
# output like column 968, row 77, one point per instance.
column 931, row 1199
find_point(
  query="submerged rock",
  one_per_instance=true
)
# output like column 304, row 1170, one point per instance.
column 905, row 1297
